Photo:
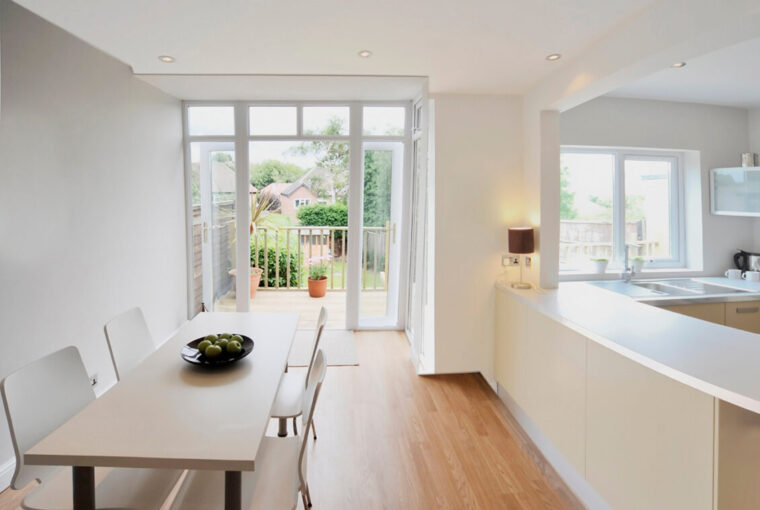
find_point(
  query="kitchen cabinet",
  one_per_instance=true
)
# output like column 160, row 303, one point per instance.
column 743, row 315
column 650, row 438
column 710, row 312
column 735, row 191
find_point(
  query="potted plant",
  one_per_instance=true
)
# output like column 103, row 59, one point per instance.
column 317, row 277
column 600, row 265
column 638, row 264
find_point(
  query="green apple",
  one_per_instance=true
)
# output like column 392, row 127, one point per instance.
column 222, row 342
column 212, row 351
column 237, row 338
column 234, row 347
column 212, row 338
column 225, row 335
column 204, row 345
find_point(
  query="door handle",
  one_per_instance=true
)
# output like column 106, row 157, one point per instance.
column 748, row 309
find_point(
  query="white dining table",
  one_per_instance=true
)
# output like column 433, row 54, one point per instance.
column 167, row 413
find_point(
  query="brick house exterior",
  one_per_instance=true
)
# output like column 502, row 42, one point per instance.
column 291, row 196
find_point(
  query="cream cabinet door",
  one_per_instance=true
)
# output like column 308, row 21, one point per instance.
column 710, row 312
column 650, row 438
column 744, row 315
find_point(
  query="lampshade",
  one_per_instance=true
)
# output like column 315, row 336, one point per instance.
column 520, row 239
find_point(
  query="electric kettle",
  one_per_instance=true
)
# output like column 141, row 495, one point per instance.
column 747, row 261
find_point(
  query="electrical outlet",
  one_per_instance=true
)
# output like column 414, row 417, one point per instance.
column 94, row 379
column 527, row 261
column 509, row 260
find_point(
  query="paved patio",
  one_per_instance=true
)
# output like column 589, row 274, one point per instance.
column 298, row 301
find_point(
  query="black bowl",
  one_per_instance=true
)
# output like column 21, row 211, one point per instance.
column 191, row 354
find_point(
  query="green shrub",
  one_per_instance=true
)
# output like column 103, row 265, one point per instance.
column 271, row 274
column 323, row 215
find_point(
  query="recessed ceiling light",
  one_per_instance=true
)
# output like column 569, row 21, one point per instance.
column 166, row 59
column 678, row 65
column 365, row 54
column 553, row 57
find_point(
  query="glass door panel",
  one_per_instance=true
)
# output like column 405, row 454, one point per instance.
column 381, row 212
column 213, row 198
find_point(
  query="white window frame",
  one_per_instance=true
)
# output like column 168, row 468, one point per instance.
column 355, row 139
column 298, row 202
column 677, row 215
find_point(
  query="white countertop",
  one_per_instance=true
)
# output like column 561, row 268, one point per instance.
column 721, row 361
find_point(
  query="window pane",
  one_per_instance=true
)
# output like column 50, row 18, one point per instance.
column 384, row 120
column 647, row 207
column 586, row 191
column 211, row 120
column 325, row 120
column 273, row 120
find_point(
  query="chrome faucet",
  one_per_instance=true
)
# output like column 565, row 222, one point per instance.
column 628, row 273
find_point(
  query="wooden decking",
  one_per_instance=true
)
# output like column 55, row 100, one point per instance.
column 298, row 301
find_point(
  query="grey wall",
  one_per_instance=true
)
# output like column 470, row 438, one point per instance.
column 720, row 134
column 91, row 199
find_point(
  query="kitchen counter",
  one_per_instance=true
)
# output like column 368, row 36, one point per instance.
column 714, row 359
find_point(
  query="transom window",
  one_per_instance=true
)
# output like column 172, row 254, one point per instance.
column 618, row 200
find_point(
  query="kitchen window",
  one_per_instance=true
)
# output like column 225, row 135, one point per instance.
column 618, row 200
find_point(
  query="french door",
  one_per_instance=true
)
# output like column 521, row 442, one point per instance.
column 331, row 154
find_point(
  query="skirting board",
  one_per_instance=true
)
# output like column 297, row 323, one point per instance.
column 574, row 480
column 6, row 473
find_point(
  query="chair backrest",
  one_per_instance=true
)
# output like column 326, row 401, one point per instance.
column 321, row 321
column 129, row 340
column 38, row 399
column 313, row 388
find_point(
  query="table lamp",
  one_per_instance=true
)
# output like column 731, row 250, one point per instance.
column 520, row 242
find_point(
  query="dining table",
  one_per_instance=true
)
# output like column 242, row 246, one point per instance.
column 167, row 413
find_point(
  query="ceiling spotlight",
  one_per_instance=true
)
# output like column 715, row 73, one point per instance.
column 678, row 65
column 166, row 59
column 553, row 57
column 365, row 54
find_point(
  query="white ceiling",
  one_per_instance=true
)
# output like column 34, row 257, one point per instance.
column 730, row 77
column 474, row 46
column 287, row 88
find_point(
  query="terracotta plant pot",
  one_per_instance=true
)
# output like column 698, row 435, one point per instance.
column 318, row 288
column 255, row 276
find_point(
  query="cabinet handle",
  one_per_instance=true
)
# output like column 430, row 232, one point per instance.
column 748, row 309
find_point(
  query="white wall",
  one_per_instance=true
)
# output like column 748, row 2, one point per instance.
column 91, row 199
column 718, row 133
column 478, row 182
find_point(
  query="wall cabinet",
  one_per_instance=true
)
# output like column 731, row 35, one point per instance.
column 735, row 191
column 744, row 315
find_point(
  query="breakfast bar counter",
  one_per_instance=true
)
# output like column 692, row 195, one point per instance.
column 634, row 405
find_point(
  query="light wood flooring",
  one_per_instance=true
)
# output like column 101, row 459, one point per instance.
column 389, row 439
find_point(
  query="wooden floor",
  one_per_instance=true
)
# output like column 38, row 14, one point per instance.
column 389, row 439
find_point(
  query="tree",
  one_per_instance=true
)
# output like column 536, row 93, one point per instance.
column 222, row 157
column 567, row 209
column 378, row 169
column 331, row 182
column 272, row 170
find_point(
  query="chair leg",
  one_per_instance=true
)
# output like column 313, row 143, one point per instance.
column 308, row 494
column 303, row 499
column 295, row 427
column 282, row 429
column 313, row 429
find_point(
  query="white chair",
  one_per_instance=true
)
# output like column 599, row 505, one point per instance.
column 287, row 403
column 280, row 467
column 39, row 398
column 129, row 340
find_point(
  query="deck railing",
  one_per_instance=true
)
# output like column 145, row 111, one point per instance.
column 300, row 246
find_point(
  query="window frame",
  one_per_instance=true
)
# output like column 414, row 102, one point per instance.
column 677, row 225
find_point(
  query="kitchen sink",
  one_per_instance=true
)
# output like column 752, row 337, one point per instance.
column 666, row 288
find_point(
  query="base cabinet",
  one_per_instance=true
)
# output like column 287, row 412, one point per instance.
column 744, row 315
column 650, row 438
